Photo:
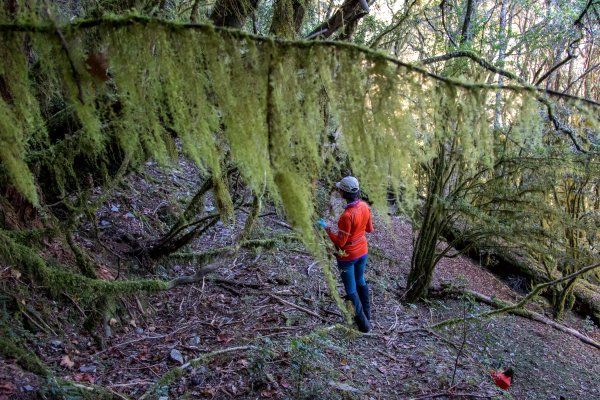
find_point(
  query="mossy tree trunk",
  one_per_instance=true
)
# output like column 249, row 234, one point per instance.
column 288, row 16
column 571, row 195
column 424, row 257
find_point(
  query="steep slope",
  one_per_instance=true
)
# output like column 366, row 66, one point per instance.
column 269, row 314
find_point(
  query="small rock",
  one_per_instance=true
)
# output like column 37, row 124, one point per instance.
column 139, row 330
column 104, row 222
column 177, row 356
column 28, row 388
column 195, row 341
column 129, row 215
column 88, row 368
column 344, row 387
column 163, row 398
column 115, row 207
column 56, row 343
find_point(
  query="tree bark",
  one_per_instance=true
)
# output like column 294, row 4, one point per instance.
column 465, row 34
column 350, row 10
column 232, row 13
column 501, row 57
column 288, row 16
column 424, row 252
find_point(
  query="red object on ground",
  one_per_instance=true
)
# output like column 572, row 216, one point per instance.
column 501, row 380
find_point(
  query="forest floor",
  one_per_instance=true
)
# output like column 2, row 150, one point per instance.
column 280, row 333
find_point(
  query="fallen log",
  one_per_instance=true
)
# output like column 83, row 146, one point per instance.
column 587, row 296
column 510, row 308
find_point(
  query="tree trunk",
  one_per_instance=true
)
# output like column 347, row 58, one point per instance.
column 288, row 16
column 232, row 13
column 501, row 57
column 350, row 10
column 564, row 299
column 466, row 34
column 424, row 253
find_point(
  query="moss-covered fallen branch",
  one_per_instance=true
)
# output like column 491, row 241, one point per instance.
column 210, row 255
column 25, row 358
column 504, row 307
column 58, row 280
column 178, row 372
column 586, row 294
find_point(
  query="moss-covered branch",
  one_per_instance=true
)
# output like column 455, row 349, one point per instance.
column 178, row 372
column 89, row 290
column 130, row 20
column 504, row 307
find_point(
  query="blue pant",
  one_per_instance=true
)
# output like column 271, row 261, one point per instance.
column 353, row 273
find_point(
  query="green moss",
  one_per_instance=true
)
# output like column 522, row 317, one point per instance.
column 60, row 280
column 26, row 359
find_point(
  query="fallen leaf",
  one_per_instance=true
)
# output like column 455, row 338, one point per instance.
column 223, row 338
column 83, row 377
column 284, row 384
column 208, row 391
column 66, row 362
column 97, row 65
column 268, row 393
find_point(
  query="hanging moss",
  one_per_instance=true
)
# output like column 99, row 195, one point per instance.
column 237, row 99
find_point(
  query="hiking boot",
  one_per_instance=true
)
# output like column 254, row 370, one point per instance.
column 363, row 295
column 361, row 320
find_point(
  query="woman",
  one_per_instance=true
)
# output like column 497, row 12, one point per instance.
column 352, row 248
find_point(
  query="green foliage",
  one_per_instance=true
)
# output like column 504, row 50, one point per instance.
column 311, row 367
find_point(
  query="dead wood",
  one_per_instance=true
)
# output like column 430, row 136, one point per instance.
column 510, row 308
column 306, row 310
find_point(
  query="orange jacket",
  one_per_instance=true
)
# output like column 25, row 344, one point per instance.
column 350, row 238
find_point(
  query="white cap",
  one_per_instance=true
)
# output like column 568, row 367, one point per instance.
column 348, row 184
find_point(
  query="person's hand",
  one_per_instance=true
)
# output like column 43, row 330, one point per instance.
column 321, row 222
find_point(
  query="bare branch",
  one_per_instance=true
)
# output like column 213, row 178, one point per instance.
column 569, row 57
column 197, row 277
column 375, row 42
column 579, row 19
